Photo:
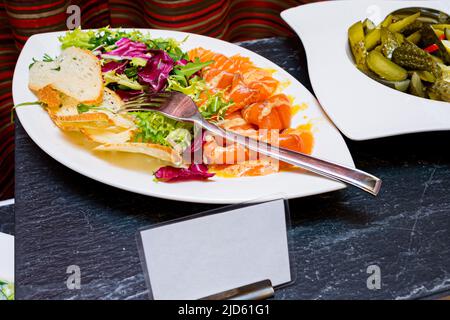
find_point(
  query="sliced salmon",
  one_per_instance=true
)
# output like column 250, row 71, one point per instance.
column 242, row 64
column 218, row 151
column 262, row 81
column 273, row 113
column 221, row 61
column 247, row 169
column 218, row 79
column 240, row 94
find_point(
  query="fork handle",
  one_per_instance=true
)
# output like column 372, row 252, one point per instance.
column 355, row 177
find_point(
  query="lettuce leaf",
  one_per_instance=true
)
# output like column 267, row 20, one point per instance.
column 191, row 68
column 78, row 38
column 154, row 127
column 107, row 39
column 121, row 79
column 6, row 290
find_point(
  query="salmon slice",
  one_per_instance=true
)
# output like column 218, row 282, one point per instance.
column 306, row 138
column 247, row 169
column 262, row 81
column 221, row 61
column 217, row 151
column 218, row 79
column 273, row 113
column 240, row 94
column 242, row 64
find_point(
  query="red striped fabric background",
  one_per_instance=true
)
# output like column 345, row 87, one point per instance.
column 231, row 20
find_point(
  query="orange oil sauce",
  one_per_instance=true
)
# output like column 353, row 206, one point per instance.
column 126, row 160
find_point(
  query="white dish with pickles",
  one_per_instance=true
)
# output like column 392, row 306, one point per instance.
column 379, row 68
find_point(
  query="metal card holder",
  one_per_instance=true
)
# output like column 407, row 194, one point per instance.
column 259, row 290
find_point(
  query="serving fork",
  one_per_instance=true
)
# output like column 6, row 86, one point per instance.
column 181, row 107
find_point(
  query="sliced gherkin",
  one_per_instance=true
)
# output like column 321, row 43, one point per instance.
column 389, row 42
column 404, row 23
column 356, row 40
column 411, row 57
column 414, row 37
column 368, row 25
column 416, row 87
column 441, row 89
column 385, row 68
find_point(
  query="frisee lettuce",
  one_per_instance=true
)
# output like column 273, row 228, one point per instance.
column 121, row 79
column 6, row 290
column 155, row 128
column 215, row 106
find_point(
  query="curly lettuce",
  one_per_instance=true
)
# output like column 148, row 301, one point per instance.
column 155, row 128
column 6, row 290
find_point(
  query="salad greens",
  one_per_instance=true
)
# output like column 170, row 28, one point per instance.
column 6, row 290
column 154, row 127
column 106, row 38
column 121, row 79
column 134, row 62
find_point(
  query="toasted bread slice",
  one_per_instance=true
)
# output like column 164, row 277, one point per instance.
column 68, row 118
column 107, row 136
column 153, row 150
column 75, row 73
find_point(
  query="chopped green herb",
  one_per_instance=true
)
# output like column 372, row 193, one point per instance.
column 31, row 64
column 47, row 58
column 131, row 72
column 82, row 108
column 21, row 105
column 191, row 67
column 215, row 106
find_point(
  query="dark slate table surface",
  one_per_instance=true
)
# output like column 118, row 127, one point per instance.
column 63, row 218
column 7, row 219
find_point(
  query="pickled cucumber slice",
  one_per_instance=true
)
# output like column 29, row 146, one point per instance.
column 368, row 25
column 441, row 26
column 416, row 87
column 385, row 68
column 389, row 42
column 403, row 23
column 356, row 40
column 441, row 89
column 415, row 37
column 372, row 39
column 446, row 44
column 387, row 21
column 426, row 76
column 411, row 57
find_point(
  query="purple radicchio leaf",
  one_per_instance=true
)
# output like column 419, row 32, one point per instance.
column 156, row 71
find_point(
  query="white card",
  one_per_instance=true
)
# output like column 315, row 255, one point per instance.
column 6, row 257
column 195, row 258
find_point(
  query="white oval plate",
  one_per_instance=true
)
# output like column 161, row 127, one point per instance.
column 359, row 106
column 329, row 144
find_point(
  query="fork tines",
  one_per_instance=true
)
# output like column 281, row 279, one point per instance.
column 140, row 102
